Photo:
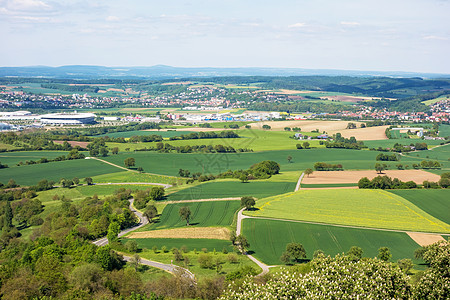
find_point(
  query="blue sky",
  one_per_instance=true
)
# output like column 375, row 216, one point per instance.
column 382, row 35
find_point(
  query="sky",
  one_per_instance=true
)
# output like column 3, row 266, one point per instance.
column 375, row 35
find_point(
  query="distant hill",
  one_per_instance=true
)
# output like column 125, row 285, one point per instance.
column 168, row 72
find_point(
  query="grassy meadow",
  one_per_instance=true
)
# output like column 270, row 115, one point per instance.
column 353, row 207
column 268, row 240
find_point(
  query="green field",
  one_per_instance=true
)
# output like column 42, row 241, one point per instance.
column 233, row 188
column 191, row 244
column 432, row 101
column 257, row 140
column 434, row 202
column 353, row 207
column 268, row 240
column 13, row 158
column 215, row 163
column 204, row 214
column 391, row 142
column 128, row 134
column 444, row 130
column 32, row 174
column 441, row 154
column 396, row 134
column 127, row 176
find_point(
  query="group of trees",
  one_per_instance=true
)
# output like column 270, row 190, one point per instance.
column 385, row 182
column 444, row 182
column 227, row 134
column 166, row 148
column 143, row 197
column 341, row 142
column 321, row 166
column 386, row 157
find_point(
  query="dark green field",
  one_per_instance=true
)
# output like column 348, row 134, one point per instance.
column 32, row 174
column 268, row 239
column 127, row 134
column 215, row 213
column 224, row 189
column 170, row 163
column 434, row 202
column 191, row 244
column 391, row 142
column 13, row 158
column 444, row 130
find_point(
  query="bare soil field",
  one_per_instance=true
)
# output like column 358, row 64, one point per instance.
column 306, row 125
column 73, row 143
column 364, row 134
column 425, row 239
column 220, row 233
column 332, row 177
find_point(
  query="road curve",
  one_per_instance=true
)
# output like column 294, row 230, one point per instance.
column 263, row 266
column 142, row 222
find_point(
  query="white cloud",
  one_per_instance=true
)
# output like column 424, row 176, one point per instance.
column 435, row 37
column 27, row 5
column 349, row 23
column 112, row 19
column 297, row 25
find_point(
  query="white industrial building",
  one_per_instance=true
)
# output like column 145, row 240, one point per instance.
column 68, row 118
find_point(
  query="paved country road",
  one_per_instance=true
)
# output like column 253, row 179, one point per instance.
column 142, row 222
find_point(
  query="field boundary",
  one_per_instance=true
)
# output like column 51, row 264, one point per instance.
column 297, row 187
column 344, row 226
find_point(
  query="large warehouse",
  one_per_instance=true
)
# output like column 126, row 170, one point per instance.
column 68, row 119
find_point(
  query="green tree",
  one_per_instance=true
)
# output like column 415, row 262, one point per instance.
column 380, row 167
column 306, row 145
column 157, row 193
column 296, row 251
column 8, row 218
column 355, row 253
column 289, row 158
column 243, row 178
column 248, row 202
column 242, row 242
column 308, row 172
column 76, row 181
column 384, row 254
column 185, row 214
column 129, row 162
column 113, row 231
column 150, row 212
column 88, row 180
column 266, row 127
column 115, row 150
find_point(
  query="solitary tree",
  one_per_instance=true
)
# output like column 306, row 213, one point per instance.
column 129, row 162
column 248, row 202
column 308, row 172
column 384, row 254
column 140, row 169
column 115, row 150
column 266, row 127
column 185, row 214
column 76, row 181
column 380, row 167
column 296, row 251
column 150, row 212
column 243, row 178
column 355, row 253
column 157, row 193
column 88, row 181
column 289, row 158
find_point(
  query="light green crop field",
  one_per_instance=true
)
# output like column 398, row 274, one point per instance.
column 432, row 101
column 396, row 134
column 128, row 134
column 13, row 158
column 257, row 140
column 434, row 202
column 215, row 163
column 444, row 130
column 362, row 208
column 233, row 188
column 7, row 147
column 32, row 174
column 268, row 240
column 127, row 176
column 204, row 214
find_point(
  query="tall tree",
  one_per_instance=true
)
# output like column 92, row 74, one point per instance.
column 8, row 216
column 185, row 214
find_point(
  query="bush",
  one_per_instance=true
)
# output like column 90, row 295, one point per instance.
column 205, row 261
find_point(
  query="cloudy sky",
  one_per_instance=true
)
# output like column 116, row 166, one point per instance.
column 379, row 35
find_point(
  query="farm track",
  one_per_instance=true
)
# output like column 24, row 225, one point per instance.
column 142, row 222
